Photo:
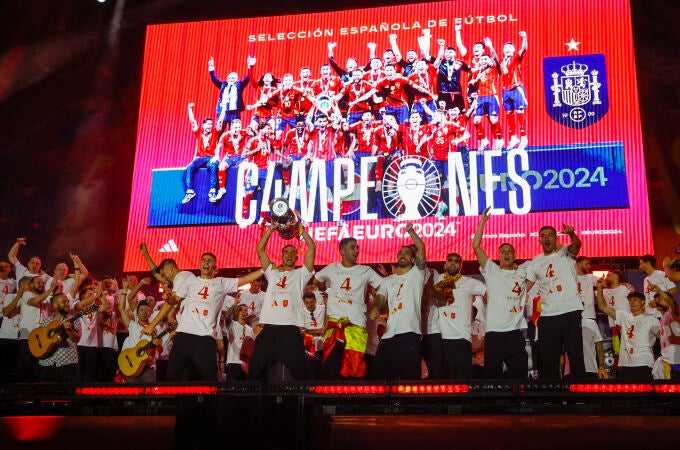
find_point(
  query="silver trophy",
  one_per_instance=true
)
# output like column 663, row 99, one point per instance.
column 284, row 219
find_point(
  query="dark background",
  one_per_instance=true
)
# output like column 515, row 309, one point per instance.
column 70, row 75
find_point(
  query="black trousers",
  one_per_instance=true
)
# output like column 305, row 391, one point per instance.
column 278, row 344
column 192, row 358
column 433, row 354
column 507, row 347
column 398, row 357
column 68, row 374
column 556, row 334
column 457, row 359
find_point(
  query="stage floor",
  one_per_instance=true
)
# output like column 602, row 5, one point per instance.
column 359, row 432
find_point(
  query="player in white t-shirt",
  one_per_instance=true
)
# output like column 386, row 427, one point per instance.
column 638, row 331
column 455, row 316
column 431, row 343
column 616, row 295
column 586, row 281
column 279, row 353
column 93, row 355
column 398, row 354
column 253, row 298
column 559, row 325
column 346, row 335
column 655, row 278
column 134, row 324
column 31, row 303
column 667, row 366
column 9, row 329
column 200, row 299
column 505, row 300
column 32, row 268
column 237, row 332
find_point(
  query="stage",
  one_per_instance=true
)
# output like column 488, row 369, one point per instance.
column 339, row 415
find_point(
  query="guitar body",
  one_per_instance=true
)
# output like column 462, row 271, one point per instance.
column 44, row 340
column 132, row 361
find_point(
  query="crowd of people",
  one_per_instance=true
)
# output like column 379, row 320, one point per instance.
column 343, row 321
column 395, row 106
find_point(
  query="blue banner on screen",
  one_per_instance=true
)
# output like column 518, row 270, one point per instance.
column 537, row 179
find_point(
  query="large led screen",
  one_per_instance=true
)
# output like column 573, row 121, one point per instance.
column 425, row 113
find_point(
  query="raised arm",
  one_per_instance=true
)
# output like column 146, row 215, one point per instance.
column 440, row 53
column 131, row 296
column 395, row 48
column 523, row 46
column 192, row 117
column 462, row 51
column 213, row 75
column 14, row 251
column 121, row 307
column 149, row 262
column 575, row 245
column 482, row 257
column 262, row 248
column 420, row 246
column 311, row 249
column 602, row 303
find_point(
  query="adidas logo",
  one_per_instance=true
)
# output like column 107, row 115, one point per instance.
column 169, row 247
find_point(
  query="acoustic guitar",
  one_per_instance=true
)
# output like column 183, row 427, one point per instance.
column 43, row 341
column 132, row 361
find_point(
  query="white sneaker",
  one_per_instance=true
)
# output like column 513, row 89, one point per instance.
column 212, row 195
column 190, row 194
column 514, row 141
column 498, row 144
column 484, row 143
column 523, row 142
column 220, row 194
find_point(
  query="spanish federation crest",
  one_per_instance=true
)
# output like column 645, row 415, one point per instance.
column 575, row 89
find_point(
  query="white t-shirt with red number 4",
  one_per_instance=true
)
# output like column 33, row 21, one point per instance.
column 556, row 276
column 404, row 294
column 202, row 304
column 347, row 290
column 637, row 337
column 283, row 303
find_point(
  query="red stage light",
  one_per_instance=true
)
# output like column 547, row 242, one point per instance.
column 611, row 388
column 109, row 391
column 181, row 390
column 31, row 428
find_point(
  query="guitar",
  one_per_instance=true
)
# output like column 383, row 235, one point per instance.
column 43, row 341
column 132, row 361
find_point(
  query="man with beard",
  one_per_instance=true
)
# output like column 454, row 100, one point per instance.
column 279, row 352
column 560, row 322
column 346, row 336
column 135, row 324
column 200, row 301
column 62, row 365
column 455, row 294
column 505, row 296
column 398, row 355
column 31, row 303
